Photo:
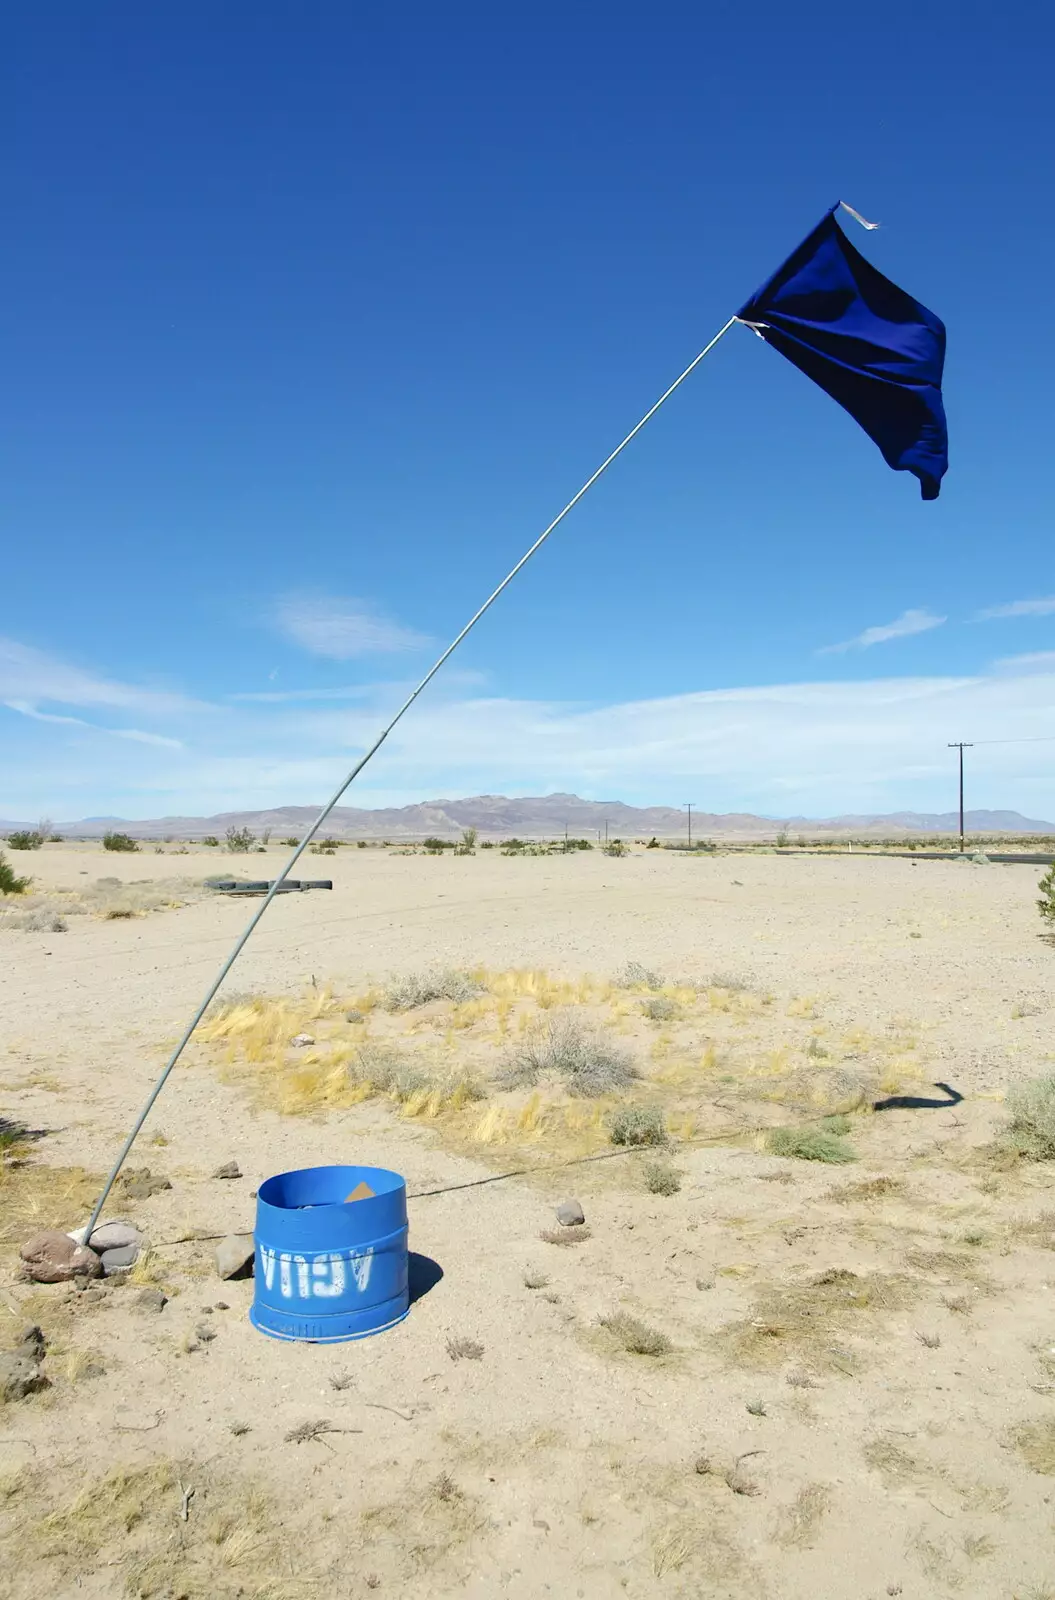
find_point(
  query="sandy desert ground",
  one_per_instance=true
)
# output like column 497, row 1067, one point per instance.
column 853, row 1389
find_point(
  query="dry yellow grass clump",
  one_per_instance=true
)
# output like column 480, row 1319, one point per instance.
column 553, row 1057
column 138, row 1519
column 34, row 1195
column 47, row 910
column 804, row 1321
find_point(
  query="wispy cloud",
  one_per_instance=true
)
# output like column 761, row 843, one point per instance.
column 31, row 675
column 1042, row 607
column 817, row 748
column 1037, row 661
column 342, row 629
column 135, row 734
column 909, row 623
column 277, row 697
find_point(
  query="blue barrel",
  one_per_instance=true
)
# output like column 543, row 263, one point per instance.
column 330, row 1269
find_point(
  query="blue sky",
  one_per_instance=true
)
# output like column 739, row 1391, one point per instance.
column 317, row 314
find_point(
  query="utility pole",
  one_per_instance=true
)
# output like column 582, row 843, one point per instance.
column 961, row 745
column 689, row 804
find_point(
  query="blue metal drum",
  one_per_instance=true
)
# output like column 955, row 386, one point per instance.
column 328, row 1268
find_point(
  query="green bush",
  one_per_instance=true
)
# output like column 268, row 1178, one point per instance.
column 10, row 883
column 240, row 841
column 638, row 1125
column 290, row 842
column 1046, row 903
column 616, row 848
column 211, row 840
column 662, row 1178
column 1030, row 1127
column 119, row 841
column 820, row 1143
column 436, row 847
column 25, row 839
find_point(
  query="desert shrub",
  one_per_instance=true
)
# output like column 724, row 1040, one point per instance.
column 818, row 1143
column 240, row 840
column 638, row 1126
column 653, row 843
column 290, row 842
column 1030, row 1129
column 418, row 988
column 634, row 1335
column 565, row 1047
column 119, row 842
column 724, row 980
column 660, row 1009
column 211, row 839
column 10, row 882
column 510, row 845
column 616, row 848
column 634, row 976
column 661, row 1178
column 25, row 839
column 1046, row 903
column 487, row 844
column 435, row 847
column 468, row 844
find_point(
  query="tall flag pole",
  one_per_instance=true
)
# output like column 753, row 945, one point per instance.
column 869, row 345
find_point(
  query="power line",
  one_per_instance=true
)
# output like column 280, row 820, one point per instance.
column 1044, row 738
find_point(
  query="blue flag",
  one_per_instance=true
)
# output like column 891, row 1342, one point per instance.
column 866, row 342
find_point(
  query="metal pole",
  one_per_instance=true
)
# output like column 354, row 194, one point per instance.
column 689, row 804
column 961, row 745
column 244, row 937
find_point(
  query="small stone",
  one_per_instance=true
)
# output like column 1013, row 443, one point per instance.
column 221, row 1305
column 570, row 1214
column 115, row 1236
column 299, row 1040
column 230, row 1169
column 234, row 1256
column 52, row 1257
column 19, row 1376
column 355, row 1016
column 121, row 1259
column 152, row 1300
column 31, row 1343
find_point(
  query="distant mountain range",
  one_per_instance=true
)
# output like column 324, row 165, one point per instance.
column 546, row 816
